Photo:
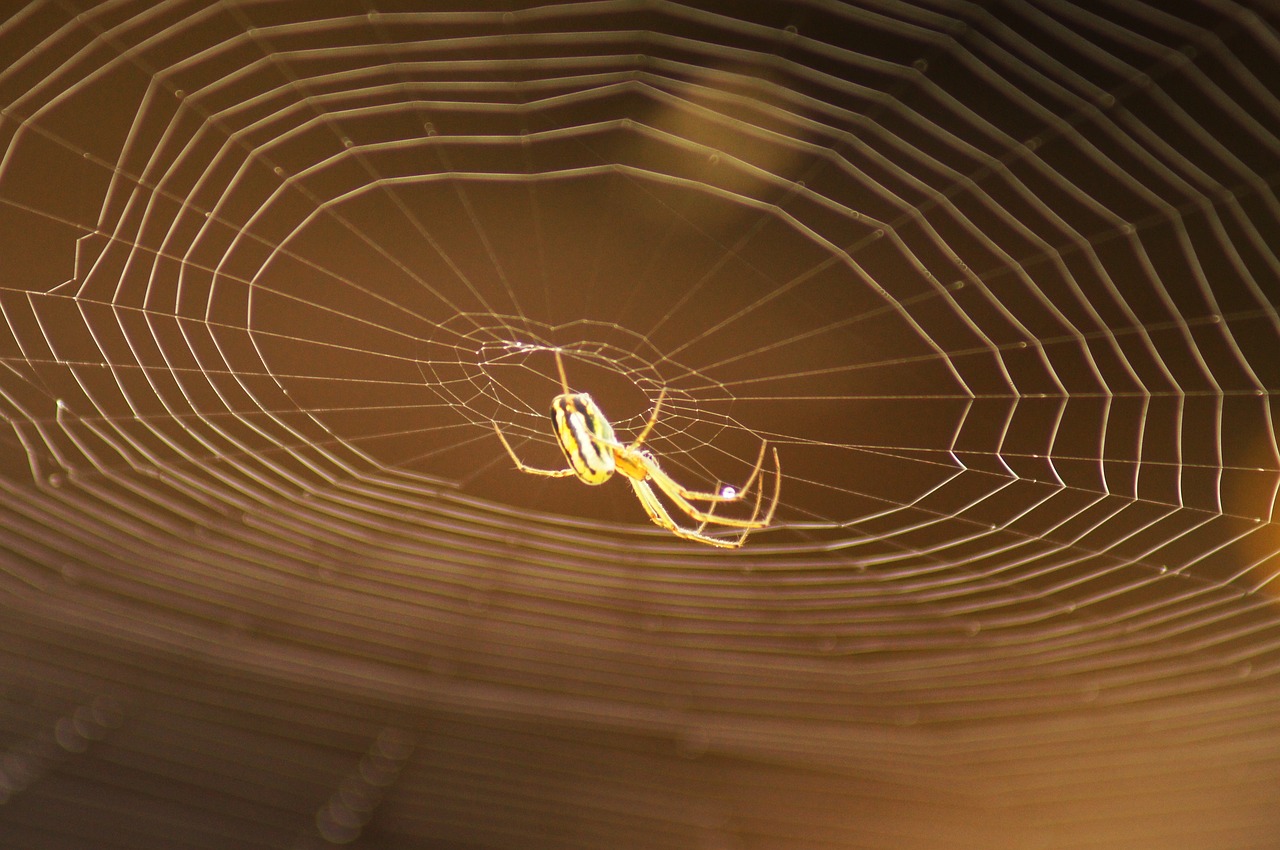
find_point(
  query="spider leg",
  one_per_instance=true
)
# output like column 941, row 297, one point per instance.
column 699, row 496
column 649, row 463
column 653, row 420
column 661, row 518
column 673, row 491
column 549, row 473
column 564, row 381
column 714, row 520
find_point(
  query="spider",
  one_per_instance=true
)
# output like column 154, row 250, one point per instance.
column 594, row 455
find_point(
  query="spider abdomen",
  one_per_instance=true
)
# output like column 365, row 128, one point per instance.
column 584, row 434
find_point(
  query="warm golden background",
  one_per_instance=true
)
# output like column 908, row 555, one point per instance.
column 999, row 280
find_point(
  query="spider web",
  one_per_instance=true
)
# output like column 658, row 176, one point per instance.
column 998, row 282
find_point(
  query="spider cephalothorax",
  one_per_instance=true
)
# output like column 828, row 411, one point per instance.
column 594, row 455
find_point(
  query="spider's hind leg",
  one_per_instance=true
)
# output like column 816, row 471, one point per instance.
column 523, row 467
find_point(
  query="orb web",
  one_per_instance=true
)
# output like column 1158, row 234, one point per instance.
column 999, row 284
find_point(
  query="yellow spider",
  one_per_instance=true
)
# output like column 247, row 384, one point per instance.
column 594, row 455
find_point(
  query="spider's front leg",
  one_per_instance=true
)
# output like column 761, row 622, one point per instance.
column 661, row 518
column 677, row 494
